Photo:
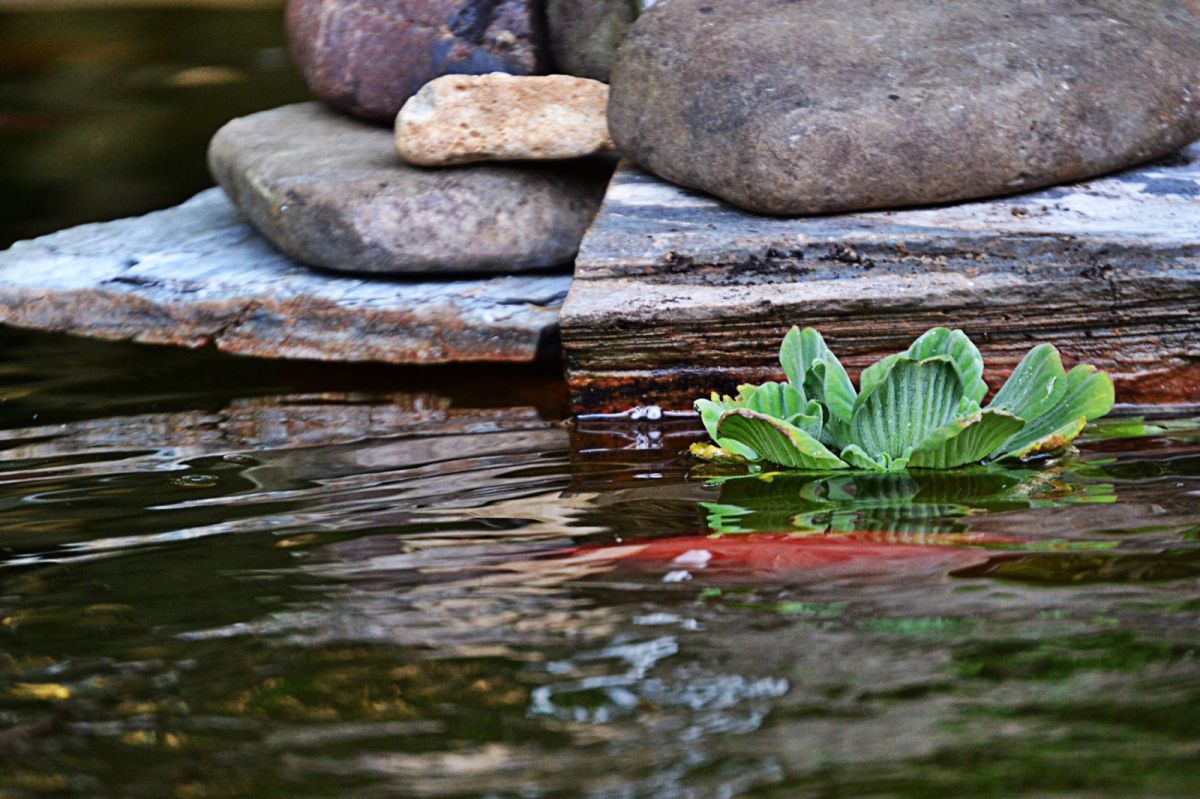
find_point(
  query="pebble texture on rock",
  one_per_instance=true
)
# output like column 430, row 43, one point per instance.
column 331, row 192
column 585, row 34
column 366, row 57
column 462, row 119
column 677, row 294
column 199, row 275
column 787, row 108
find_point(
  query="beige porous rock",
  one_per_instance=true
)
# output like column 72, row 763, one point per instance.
column 461, row 119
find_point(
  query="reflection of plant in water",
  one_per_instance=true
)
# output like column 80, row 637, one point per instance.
column 899, row 503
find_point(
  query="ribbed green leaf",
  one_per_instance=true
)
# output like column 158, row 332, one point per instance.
column 858, row 458
column 776, row 441
column 961, row 351
column 910, row 401
column 710, row 411
column 793, row 358
column 965, row 440
column 779, row 400
column 812, row 366
column 1087, row 395
column 1035, row 386
column 811, row 421
column 875, row 374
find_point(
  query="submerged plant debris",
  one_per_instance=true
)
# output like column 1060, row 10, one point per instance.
column 917, row 409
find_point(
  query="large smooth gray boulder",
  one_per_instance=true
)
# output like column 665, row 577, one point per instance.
column 820, row 106
column 332, row 192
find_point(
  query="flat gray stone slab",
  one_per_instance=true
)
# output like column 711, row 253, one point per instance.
column 676, row 293
column 199, row 275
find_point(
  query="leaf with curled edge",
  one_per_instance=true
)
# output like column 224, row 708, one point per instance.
column 906, row 404
column 777, row 441
column 961, row 351
column 710, row 411
column 859, row 458
column 813, row 368
column 966, row 440
column 1037, row 384
column 1087, row 395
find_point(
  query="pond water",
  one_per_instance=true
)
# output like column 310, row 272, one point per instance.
column 228, row 578
column 221, row 578
column 107, row 113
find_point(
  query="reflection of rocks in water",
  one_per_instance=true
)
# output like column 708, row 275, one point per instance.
column 471, row 575
column 301, row 465
column 269, row 423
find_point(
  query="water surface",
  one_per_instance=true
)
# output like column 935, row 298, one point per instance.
column 220, row 578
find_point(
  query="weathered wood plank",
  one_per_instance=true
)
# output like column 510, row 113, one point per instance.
column 198, row 275
column 677, row 294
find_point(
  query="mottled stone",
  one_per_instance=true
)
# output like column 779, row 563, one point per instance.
column 331, row 192
column 820, row 106
column 677, row 294
column 199, row 276
column 584, row 34
column 366, row 57
column 462, row 119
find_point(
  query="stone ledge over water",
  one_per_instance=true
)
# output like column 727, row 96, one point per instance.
column 198, row 275
column 677, row 293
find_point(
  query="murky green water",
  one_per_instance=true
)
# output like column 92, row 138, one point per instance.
column 219, row 579
column 224, row 578
column 107, row 113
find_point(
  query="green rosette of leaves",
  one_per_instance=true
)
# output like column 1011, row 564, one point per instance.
column 917, row 409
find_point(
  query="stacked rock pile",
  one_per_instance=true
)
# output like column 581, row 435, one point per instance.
column 776, row 106
column 490, row 170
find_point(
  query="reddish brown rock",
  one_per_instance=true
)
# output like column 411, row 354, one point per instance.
column 367, row 57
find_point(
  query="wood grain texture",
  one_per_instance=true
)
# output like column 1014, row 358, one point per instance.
column 198, row 275
column 677, row 294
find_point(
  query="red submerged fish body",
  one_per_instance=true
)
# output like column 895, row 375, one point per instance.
column 780, row 554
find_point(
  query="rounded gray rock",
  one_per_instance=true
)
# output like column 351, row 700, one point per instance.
column 819, row 106
column 331, row 192
column 585, row 34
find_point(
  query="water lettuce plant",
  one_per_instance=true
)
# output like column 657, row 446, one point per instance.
column 917, row 409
